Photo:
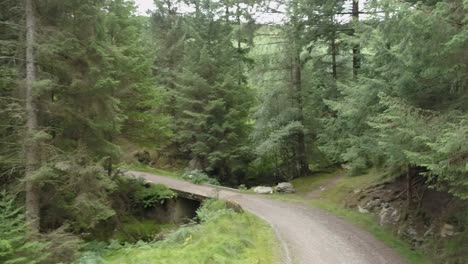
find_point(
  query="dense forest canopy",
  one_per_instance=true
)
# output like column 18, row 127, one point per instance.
column 377, row 83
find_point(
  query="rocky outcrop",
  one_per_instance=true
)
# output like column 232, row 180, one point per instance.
column 388, row 215
column 432, row 218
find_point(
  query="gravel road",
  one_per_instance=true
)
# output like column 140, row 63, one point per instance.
column 307, row 235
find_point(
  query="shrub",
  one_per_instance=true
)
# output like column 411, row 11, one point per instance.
column 199, row 177
column 133, row 230
column 212, row 209
column 62, row 246
column 14, row 244
column 358, row 167
column 150, row 195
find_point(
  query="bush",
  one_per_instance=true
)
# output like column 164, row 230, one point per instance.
column 62, row 246
column 150, row 195
column 358, row 167
column 199, row 177
column 133, row 230
column 240, row 239
column 14, row 244
column 212, row 209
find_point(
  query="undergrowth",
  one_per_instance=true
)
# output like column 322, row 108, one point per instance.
column 132, row 230
column 222, row 236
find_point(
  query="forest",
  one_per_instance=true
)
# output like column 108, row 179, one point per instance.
column 243, row 92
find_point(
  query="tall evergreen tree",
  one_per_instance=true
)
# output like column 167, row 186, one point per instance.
column 31, row 147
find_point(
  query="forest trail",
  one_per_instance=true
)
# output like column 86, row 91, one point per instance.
column 307, row 235
column 314, row 194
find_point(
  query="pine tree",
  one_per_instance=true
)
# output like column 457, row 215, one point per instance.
column 208, row 96
column 406, row 111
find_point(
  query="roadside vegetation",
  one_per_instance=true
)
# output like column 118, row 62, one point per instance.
column 222, row 236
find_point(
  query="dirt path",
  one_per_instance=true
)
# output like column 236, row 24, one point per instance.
column 307, row 235
column 314, row 194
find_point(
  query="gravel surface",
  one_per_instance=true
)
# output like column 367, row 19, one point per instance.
column 307, row 235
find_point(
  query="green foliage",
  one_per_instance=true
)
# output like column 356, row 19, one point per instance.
column 199, row 177
column 15, row 244
column 207, row 95
column 11, row 113
column 132, row 230
column 211, row 209
column 62, row 246
column 150, row 195
column 240, row 238
column 408, row 106
column 78, row 190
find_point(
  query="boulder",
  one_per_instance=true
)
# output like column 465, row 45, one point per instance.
column 285, row 187
column 263, row 189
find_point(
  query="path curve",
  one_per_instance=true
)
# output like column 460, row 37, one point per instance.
column 308, row 235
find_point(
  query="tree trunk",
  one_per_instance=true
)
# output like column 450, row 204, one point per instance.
column 30, row 146
column 333, row 50
column 303, row 166
column 356, row 47
column 409, row 189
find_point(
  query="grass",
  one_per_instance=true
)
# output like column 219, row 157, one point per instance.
column 306, row 184
column 343, row 187
column 332, row 200
column 133, row 230
column 226, row 237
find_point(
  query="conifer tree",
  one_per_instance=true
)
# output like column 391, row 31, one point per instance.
column 208, row 95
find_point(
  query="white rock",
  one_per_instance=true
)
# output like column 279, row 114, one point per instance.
column 447, row 230
column 285, row 187
column 388, row 215
column 356, row 191
column 263, row 190
column 362, row 210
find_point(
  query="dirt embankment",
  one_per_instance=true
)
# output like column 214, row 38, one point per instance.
column 435, row 221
